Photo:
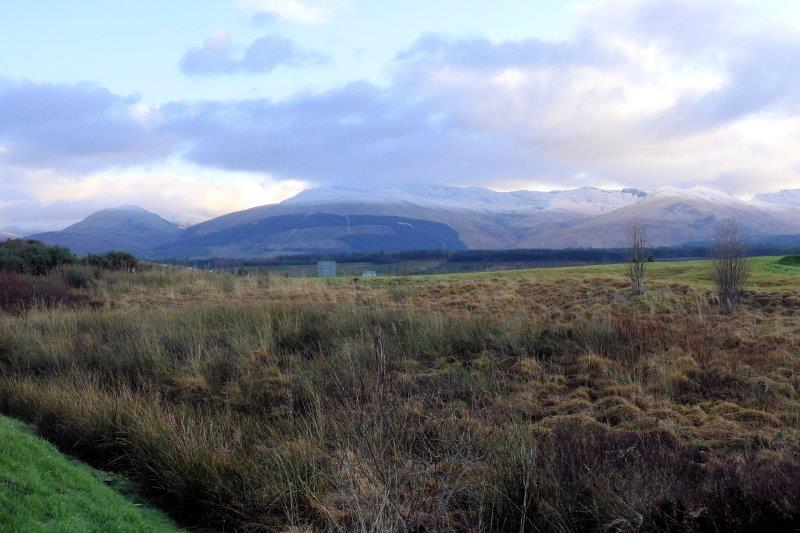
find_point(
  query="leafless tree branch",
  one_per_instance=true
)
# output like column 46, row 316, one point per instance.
column 637, row 258
column 730, row 269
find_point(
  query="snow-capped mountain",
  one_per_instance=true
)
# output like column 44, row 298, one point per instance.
column 584, row 217
column 785, row 197
column 346, row 219
column 676, row 216
column 586, row 200
column 186, row 220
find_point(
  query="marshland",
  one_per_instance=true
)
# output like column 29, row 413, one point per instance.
column 530, row 400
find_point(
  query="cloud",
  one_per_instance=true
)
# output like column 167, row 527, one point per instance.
column 646, row 93
column 75, row 127
column 306, row 12
column 359, row 133
column 46, row 200
column 219, row 56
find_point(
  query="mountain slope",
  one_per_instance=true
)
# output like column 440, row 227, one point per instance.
column 315, row 233
column 482, row 218
column 673, row 217
column 128, row 228
column 186, row 220
column 346, row 219
column 4, row 236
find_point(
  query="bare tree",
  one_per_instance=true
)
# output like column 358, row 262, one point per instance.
column 637, row 250
column 730, row 269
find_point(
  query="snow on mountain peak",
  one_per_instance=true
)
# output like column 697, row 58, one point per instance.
column 584, row 200
column 697, row 192
column 185, row 220
column 782, row 198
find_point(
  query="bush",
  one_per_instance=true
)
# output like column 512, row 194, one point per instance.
column 77, row 278
column 113, row 261
column 790, row 260
column 32, row 257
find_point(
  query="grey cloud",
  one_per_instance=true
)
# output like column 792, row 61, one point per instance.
column 72, row 127
column 355, row 133
column 219, row 56
column 757, row 58
column 470, row 130
column 444, row 116
column 761, row 75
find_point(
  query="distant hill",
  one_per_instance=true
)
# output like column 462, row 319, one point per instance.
column 4, row 236
column 128, row 228
column 314, row 233
column 676, row 216
column 347, row 220
column 482, row 218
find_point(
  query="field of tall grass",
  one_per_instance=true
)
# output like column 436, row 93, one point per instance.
column 526, row 401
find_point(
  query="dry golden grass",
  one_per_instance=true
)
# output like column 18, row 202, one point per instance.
column 525, row 401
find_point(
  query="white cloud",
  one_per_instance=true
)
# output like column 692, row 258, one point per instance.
column 647, row 93
column 47, row 199
column 219, row 56
column 306, row 12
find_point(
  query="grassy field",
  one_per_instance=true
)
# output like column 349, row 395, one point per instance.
column 41, row 490
column 767, row 273
column 549, row 400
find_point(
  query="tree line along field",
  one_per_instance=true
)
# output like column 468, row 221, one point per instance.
column 549, row 400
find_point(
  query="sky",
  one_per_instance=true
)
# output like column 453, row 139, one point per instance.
column 210, row 107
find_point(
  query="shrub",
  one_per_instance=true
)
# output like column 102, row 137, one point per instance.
column 730, row 269
column 113, row 261
column 77, row 278
column 790, row 260
column 637, row 250
column 20, row 256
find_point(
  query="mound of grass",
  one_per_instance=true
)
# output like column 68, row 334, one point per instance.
column 790, row 260
column 41, row 490
column 540, row 400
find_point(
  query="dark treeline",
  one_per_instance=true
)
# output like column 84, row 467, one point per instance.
column 25, row 256
column 380, row 258
column 18, row 256
column 541, row 255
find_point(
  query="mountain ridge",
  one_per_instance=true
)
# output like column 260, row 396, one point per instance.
column 349, row 219
column 126, row 227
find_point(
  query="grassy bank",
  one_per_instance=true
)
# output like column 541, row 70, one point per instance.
column 41, row 490
column 533, row 400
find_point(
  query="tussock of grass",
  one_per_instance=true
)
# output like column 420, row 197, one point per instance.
column 493, row 402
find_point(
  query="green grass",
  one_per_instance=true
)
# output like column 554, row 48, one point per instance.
column 767, row 273
column 790, row 260
column 42, row 490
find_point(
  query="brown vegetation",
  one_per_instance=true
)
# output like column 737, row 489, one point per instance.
column 19, row 292
column 637, row 254
column 730, row 269
column 474, row 403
